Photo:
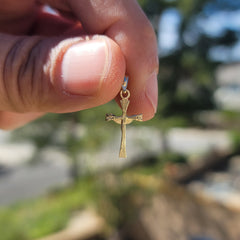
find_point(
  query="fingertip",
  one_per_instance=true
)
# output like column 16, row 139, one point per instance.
column 116, row 72
column 84, row 65
column 141, row 105
column 88, row 72
column 144, row 100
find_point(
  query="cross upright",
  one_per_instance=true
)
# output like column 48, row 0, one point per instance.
column 123, row 120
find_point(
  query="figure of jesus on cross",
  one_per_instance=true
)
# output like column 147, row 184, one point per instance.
column 124, row 119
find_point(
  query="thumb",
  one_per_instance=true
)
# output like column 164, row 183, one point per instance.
column 40, row 74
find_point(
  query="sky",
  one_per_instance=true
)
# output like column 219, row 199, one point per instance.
column 168, row 31
column 212, row 21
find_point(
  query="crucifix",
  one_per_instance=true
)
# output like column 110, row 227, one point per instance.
column 123, row 119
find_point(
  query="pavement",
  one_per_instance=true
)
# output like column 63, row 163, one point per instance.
column 28, row 182
column 20, row 180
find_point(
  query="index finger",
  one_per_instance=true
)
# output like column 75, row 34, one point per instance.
column 125, row 23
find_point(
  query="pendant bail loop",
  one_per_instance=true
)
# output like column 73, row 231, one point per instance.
column 125, row 95
column 125, row 83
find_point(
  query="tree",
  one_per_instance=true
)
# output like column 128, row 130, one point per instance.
column 186, row 79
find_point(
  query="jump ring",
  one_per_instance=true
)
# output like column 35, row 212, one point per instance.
column 125, row 92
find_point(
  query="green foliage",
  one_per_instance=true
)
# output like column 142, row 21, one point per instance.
column 111, row 194
column 231, row 115
column 235, row 137
column 152, row 7
column 186, row 85
column 186, row 79
column 154, row 165
column 38, row 218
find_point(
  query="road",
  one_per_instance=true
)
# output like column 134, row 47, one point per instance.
column 31, row 181
column 20, row 180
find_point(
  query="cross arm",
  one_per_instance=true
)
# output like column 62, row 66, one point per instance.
column 138, row 118
column 112, row 117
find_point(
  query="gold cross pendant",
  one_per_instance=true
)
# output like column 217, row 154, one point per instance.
column 123, row 119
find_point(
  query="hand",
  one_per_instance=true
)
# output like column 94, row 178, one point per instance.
column 53, row 64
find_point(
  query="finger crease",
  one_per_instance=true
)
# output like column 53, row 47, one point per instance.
column 8, row 69
column 30, row 64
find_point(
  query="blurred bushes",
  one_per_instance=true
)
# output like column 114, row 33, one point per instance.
column 186, row 85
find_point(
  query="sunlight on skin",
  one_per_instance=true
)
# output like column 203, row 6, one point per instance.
column 39, row 88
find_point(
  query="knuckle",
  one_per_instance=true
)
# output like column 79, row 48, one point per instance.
column 20, row 73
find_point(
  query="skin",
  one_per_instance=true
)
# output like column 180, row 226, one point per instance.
column 33, row 45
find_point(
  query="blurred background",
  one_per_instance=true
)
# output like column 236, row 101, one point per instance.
column 60, row 176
